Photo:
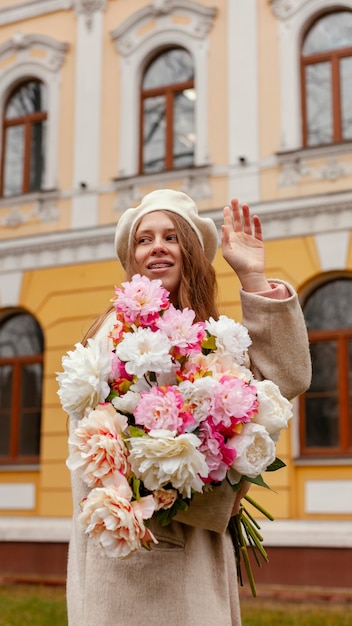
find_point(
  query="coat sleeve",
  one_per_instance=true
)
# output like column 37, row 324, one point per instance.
column 280, row 349
column 279, row 352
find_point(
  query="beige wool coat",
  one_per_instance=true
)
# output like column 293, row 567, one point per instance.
column 189, row 577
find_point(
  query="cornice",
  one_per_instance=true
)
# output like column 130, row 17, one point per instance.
column 296, row 217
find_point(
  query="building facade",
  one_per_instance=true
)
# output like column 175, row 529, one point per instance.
column 102, row 101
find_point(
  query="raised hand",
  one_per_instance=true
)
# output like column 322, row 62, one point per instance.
column 243, row 248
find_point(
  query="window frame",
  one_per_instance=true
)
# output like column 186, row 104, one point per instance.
column 342, row 336
column 27, row 121
column 169, row 91
column 333, row 57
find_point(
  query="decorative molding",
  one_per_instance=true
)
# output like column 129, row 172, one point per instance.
column 127, row 36
column 294, row 164
column 284, row 9
column 194, row 181
column 22, row 45
column 31, row 9
column 87, row 8
column 45, row 210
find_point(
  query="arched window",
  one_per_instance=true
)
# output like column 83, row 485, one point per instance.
column 21, row 373
column 326, row 408
column 24, row 129
column 167, row 136
column 326, row 70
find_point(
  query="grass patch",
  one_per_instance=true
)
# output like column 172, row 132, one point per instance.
column 32, row 605
column 44, row 605
column 257, row 612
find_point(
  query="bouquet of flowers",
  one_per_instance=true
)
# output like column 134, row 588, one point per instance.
column 165, row 407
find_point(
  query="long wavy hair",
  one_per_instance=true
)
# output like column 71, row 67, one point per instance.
column 198, row 288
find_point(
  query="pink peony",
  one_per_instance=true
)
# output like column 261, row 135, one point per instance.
column 163, row 408
column 141, row 299
column 164, row 498
column 235, row 401
column 97, row 447
column 219, row 457
column 182, row 333
column 114, row 521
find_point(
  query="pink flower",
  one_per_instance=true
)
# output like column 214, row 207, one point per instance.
column 182, row 333
column 98, row 448
column 219, row 457
column 114, row 521
column 164, row 498
column 141, row 299
column 163, row 408
column 235, row 401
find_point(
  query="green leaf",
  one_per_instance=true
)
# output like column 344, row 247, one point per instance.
column 277, row 464
column 258, row 480
column 137, row 432
column 209, row 343
column 165, row 516
column 136, row 483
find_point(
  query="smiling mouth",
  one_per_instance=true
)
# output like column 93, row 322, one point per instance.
column 156, row 266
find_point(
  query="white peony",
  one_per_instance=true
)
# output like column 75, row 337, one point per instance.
column 126, row 403
column 199, row 394
column 145, row 351
column 274, row 410
column 255, row 451
column 84, row 381
column 231, row 337
column 163, row 458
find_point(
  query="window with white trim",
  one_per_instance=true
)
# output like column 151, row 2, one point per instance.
column 326, row 408
column 21, row 378
column 167, row 137
column 23, row 145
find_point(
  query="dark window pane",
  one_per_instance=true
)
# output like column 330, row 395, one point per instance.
column 331, row 32
column 20, row 335
column 330, row 306
column 346, row 97
column 154, row 134
column 14, row 160
column 172, row 66
column 37, row 155
column 319, row 104
column 28, row 98
column 31, row 396
column 5, row 408
column 322, row 422
column 350, row 387
column 184, row 136
column 324, row 365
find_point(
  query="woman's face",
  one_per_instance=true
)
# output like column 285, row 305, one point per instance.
column 158, row 253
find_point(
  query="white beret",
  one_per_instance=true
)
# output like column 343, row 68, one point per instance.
column 170, row 200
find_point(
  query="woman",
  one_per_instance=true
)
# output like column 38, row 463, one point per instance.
column 189, row 578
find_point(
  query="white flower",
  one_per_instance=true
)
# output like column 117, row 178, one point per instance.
column 126, row 403
column 231, row 337
column 163, row 458
column 145, row 351
column 199, row 394
column 84, row 381
column 274, row 410
column 255, row 451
